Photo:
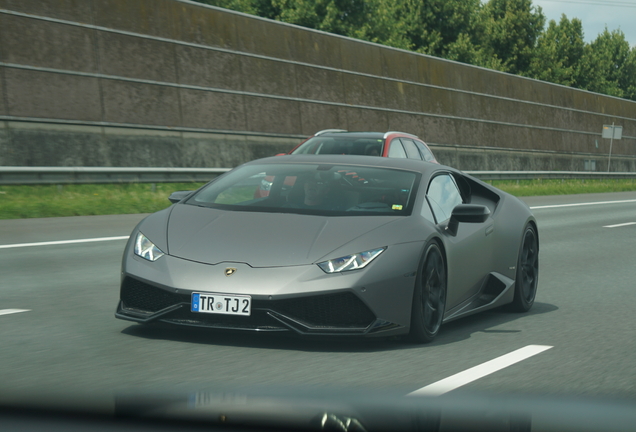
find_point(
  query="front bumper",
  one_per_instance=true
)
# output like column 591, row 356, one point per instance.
column 303, row 299
column 334, row 313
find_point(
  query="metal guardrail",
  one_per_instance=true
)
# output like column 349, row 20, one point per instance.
column 93, row 175
column 79, row 175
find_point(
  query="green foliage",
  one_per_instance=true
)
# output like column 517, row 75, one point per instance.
column 388, row 23
column 627, row 75
column 559, row 53
column 510, row 32
column 603, row 63
column 435, row 26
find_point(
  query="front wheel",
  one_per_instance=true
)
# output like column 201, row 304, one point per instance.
column 429, row 297
column 527, row 271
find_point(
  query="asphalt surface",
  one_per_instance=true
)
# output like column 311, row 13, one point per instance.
column 69, row 340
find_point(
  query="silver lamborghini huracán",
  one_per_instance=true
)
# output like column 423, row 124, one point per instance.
column 332, row 245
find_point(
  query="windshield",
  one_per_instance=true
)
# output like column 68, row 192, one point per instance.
column 346, row 145
column 338, row 190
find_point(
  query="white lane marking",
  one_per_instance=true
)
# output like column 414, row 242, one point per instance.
column 619, row 225
column 12, row 311
column 63, row 242
column 480, row 371
column 582, row 204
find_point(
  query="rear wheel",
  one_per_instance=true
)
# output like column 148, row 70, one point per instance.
column 527, row 271
column 429, row 297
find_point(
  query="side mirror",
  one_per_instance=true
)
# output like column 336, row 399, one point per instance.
column 466, row 213
column 177, row 196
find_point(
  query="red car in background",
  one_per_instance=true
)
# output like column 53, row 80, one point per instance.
column 385, row 144
column 338, row 141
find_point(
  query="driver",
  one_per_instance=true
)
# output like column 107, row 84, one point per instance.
column 316, row 191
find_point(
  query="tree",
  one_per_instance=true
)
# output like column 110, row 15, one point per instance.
column 604, row 64
column 627, row 75
column 559, row 52
column 441, row 23
column 388, row 23
column 510, row 32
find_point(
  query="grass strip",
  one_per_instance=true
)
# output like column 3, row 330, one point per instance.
column 563, row 187
column 84, row 200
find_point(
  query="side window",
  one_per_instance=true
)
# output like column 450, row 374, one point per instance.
column 443, row 195
column 426, row 152
column 411, row 149
column 396, row 150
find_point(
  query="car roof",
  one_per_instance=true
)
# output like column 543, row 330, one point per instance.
column 361, row 135
column 378, row 135
column 369, row 161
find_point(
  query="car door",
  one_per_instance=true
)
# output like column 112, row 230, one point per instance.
column 469, row 252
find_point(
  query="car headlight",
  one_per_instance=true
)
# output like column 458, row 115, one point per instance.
column 147, row 249
column 350, row 262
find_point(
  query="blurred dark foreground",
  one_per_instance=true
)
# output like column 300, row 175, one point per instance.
column 312, row 410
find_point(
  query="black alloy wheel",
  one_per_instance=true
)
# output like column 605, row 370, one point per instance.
column 429, row 298
column 527, row 271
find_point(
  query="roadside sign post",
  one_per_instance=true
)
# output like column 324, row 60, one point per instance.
column 613, row 133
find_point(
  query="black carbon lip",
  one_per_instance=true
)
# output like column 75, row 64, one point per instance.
column 307, row 329
column 136, row 315
column 377, row 326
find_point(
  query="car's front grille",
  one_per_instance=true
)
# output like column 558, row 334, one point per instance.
column 325, row 311
column 139, row 295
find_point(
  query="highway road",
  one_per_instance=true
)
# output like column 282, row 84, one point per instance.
column 58, row 332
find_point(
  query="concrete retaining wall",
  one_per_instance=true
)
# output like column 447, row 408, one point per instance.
column 176, row 83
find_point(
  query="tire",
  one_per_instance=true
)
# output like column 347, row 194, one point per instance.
column 527, row 271
column 429, row 297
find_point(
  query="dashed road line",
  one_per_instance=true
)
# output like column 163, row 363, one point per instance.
column 63, row 242
column 582, row 204
column 480, row 371
column 12, row 311
column 620, row 225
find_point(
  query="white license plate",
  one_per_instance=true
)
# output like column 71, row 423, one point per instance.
column 221, row 303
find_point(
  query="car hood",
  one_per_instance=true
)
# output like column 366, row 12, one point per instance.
column 259, row 239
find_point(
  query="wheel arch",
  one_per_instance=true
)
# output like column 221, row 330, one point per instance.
column 536, row 231
column 437, row 239
column 529, row 222
column 417, row 327
column 518, row 302
column 442, row 247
